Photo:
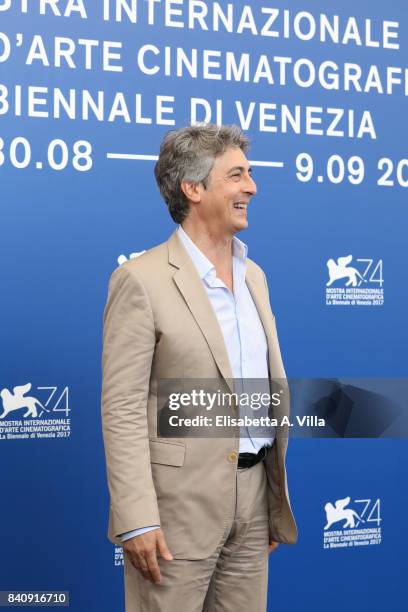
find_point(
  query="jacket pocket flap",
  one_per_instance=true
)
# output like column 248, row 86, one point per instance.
column 167, row 453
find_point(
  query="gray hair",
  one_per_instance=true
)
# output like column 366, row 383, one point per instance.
column 188, row 154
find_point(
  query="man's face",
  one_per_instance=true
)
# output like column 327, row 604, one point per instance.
column 230, row 186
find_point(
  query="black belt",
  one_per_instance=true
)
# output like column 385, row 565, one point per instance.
column 247, row 460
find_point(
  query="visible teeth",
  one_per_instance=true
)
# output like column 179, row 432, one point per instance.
column 239, row 205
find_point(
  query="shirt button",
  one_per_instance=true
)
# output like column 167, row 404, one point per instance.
column 232, row 457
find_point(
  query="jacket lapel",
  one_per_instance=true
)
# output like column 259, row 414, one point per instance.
column 261, row 306
column 191, row 288
column 266, row 317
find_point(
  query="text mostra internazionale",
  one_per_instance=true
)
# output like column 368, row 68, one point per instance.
column 167, row 63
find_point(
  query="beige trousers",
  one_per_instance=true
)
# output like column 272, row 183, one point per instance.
column 233, row 579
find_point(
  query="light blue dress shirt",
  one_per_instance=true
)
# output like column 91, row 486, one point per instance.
column 244, row 338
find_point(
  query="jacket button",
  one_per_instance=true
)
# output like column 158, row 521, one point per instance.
column 233, row 457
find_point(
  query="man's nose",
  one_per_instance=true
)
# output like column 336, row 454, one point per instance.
column 250, row 186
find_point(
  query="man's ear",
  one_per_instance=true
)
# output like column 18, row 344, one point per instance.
column 192, row 190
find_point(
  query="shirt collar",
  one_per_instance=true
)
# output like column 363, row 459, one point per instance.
column 202, row 263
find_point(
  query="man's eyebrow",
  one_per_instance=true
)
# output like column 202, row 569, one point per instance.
column 240, row 168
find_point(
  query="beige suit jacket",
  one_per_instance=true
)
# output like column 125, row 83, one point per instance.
column 159, row 324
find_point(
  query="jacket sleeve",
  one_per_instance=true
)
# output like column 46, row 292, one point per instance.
column 128, row 346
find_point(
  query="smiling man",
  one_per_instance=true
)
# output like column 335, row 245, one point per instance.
column 196, row 516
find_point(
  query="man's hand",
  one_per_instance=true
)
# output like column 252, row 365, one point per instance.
column 142, row 552
column 273, row 546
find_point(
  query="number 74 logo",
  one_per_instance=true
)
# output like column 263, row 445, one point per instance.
column 376, row 272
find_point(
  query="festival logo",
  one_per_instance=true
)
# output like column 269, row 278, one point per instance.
column 360, row 284
column 42, row 414
column 347, row 526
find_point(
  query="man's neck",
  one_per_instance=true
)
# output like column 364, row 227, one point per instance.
column 217, row 248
